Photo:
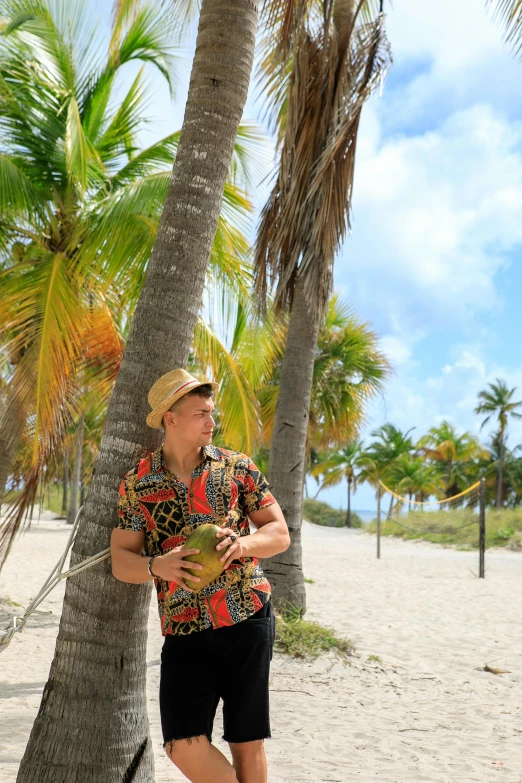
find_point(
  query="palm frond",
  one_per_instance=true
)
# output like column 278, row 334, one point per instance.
column 307, row 214
column 509, row 12
column 239, row 422
column 81, row 156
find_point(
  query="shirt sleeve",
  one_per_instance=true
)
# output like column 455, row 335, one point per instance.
column 130, row 516
column 256, row 494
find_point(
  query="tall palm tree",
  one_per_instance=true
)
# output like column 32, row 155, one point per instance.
column 76, row 230
column 100, row 657
column 344, row 463
column 497, row 401
column 319, row 66
column 451, row 450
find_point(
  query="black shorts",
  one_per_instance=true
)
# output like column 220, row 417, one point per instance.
column 193, row 677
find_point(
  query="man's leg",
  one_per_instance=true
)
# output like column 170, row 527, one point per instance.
column 200, row 761
column 249, row 761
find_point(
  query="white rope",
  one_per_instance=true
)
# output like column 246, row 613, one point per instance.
column 17, row 623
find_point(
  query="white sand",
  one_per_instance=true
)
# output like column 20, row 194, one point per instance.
column 426, row 712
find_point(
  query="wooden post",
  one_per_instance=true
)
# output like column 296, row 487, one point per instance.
column 482, row 527
column 379, row 520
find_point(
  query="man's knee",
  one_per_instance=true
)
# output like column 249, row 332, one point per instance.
column 246, row 749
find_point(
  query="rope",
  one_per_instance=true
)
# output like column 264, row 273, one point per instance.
column 435, row 529
column 428, row 502
column 17, row 623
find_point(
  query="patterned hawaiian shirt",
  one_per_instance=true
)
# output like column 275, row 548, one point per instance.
column 223, row 489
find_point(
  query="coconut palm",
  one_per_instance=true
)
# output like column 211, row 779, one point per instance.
column 339, row 465
column 391, row 443
column 413, row 477
column 319, row 65
column 349, row 370
column 497, row 402
column 100, row 656
column 80, row 206
column 451, row 451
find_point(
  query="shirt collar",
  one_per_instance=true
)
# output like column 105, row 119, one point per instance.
column 209, row 452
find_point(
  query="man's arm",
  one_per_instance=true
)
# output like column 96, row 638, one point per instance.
column 271, row 536
column 128, row 565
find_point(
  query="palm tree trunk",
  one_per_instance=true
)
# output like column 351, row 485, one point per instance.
column 498, row 503
column 349, row 510
column 92, row 725
column 287, row 450
column 391, row 507
column 77, row 472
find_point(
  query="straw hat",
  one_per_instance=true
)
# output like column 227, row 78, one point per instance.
column 167, row 390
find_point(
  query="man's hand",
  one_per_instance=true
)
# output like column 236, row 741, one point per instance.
column 230, row 541
column 170, row 567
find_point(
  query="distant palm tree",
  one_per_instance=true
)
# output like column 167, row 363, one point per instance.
column 342, row 464
column 497, row 401
column 412, row 476
column 452, row 451
column 391, row 443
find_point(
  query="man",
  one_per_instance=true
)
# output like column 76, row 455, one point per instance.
column 218, row 641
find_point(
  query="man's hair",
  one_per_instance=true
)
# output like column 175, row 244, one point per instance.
column 205, row 390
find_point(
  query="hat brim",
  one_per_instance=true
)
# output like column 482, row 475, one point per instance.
column 155, row 417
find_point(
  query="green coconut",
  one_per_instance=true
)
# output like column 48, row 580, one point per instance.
column 204, row 538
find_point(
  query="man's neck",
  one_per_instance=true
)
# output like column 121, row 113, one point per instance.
column 181, row 458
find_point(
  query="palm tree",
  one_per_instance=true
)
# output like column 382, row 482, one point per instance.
column 497, row 401
column 349, row 370
column 75, row 239
column 100, row 657
column 391, row 444
column 320, row 64
column 412, row 476
column 342, row 464
column 451, row 450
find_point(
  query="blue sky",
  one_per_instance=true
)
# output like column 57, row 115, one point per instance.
column 433, row 258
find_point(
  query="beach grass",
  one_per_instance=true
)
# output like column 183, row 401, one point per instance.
column 302, row 638
column 503, row 527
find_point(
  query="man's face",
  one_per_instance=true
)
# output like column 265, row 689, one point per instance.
column 191, row 421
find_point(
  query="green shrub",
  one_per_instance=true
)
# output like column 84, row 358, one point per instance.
column 307, row 639
column 320, row 513
column 503, row 527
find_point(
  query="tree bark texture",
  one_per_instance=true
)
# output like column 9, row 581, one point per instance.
column 286, row 466
column 92, row 725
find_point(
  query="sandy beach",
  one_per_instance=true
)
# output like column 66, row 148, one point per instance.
column 424, row 712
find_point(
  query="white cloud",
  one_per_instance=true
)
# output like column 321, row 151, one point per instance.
column 434, row 216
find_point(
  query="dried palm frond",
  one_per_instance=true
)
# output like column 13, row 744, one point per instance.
column 307, row 215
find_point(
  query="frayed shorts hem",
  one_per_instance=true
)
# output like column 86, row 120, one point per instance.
column 190, row 737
